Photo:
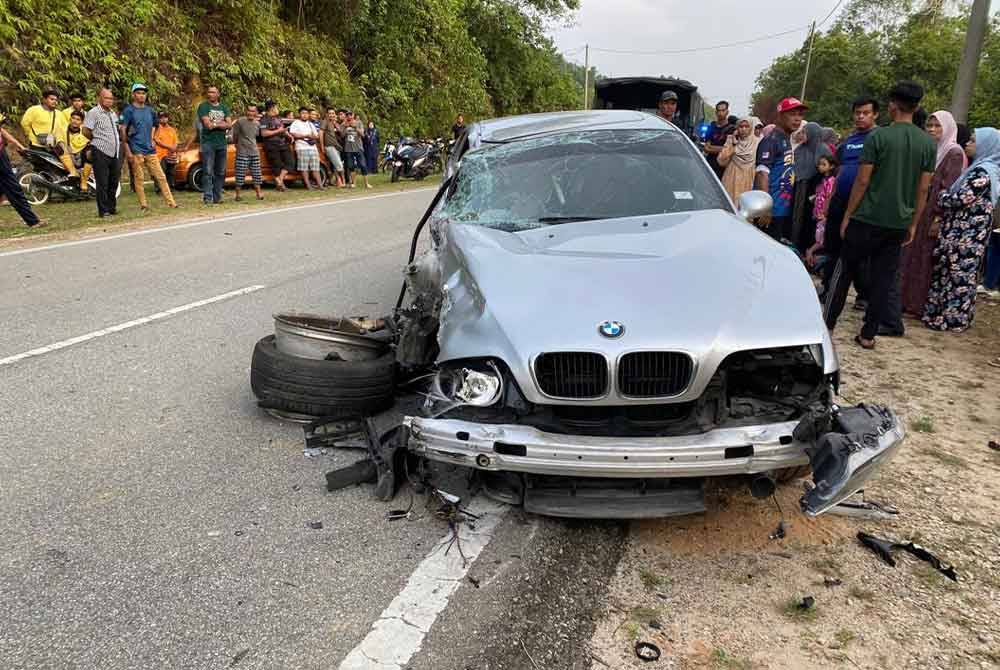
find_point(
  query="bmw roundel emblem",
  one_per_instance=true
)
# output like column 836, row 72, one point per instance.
column 611, row 329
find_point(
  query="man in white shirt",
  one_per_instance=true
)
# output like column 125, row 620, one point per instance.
column 306, row 150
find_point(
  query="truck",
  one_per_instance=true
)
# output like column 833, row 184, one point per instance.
column 643, row 94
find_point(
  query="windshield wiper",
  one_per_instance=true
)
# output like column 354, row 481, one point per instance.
column 567, row 219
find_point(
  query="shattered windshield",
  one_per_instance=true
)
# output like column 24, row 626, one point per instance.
column 579, row 176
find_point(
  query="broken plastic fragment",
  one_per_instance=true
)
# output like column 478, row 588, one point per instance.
column 779, row 532
column 316, row 525
column 807, row 603
column 884, row 549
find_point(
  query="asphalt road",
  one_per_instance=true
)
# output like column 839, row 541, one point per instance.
column 152, row 517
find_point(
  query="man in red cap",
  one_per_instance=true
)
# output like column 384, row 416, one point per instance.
column 776, row 166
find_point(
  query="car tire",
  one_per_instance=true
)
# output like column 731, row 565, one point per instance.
column 785, row 475
column 318, row 387
column 194, row 176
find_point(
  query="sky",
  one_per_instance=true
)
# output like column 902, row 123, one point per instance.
column 657, row 25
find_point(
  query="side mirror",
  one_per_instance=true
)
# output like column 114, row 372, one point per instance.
column 755, row 205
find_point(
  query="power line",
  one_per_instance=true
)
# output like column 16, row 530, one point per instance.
column 752, row 40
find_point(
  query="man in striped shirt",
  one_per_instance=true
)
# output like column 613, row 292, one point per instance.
column 101, row 128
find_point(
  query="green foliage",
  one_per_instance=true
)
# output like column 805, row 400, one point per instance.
column 875, row 43
column 409, row 65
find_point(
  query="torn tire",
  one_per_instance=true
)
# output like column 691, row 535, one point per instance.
column 331, row 389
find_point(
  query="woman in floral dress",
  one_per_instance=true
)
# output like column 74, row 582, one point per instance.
column 966, row 221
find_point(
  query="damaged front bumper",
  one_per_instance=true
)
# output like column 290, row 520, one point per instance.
column 843, row 459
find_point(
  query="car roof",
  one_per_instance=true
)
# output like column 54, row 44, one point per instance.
column 514, row 128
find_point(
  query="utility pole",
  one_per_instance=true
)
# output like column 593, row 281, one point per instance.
column 979, row 19
column 809, row 55
column 586, row 77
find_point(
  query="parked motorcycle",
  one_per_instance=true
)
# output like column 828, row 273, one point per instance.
column 386, row 158
column 41, row 174
column 416, row 160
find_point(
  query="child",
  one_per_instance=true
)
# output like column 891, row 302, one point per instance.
column 826, row 166
column 77, row 143
column 165, row 140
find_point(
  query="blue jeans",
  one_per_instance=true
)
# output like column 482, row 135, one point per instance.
column 991, row 279
column 213, row 165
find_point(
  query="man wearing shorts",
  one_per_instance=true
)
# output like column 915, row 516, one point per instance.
column 354, row 148
column 277, row 145
column 332, row 147
column 306, row 150
column 246, row 131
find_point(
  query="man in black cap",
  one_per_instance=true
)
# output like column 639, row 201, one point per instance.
column 668, row 105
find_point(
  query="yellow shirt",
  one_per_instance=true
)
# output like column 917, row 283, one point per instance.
column 69, row 110
column 38, row 121
column 77, row 142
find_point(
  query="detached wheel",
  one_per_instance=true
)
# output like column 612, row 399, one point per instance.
column 321, row 388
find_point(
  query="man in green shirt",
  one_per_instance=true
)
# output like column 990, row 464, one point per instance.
column 887, row 200
column 216, row 118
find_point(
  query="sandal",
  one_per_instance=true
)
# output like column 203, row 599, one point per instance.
column 861, row 343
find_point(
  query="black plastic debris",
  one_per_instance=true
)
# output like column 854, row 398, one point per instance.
column 829, row 582
column 647, row 652
column 779, row 532
column 807, row 603
column 359, row 472
column 994, row 445
column 884, row 548
column 316, row 525
column 472, row 580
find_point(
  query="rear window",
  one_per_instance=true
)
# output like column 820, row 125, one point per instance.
column 576, row 176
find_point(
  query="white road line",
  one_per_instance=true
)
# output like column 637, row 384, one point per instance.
column 205, row 222
column 125, row 326
column 400, row 630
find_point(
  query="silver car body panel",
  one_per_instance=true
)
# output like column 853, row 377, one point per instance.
column 704, row 283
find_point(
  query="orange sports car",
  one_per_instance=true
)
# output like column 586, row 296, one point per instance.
column 188, row 172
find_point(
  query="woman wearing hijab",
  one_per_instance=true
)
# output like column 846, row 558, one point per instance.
column 738, row 157
column 966, row 221
column 806, row 178
column 918, row 258
column 371, row 144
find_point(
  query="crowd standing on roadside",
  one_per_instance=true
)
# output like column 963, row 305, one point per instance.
column 101, row 141
column 903, row 212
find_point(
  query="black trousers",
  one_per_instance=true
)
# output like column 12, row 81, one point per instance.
column 877, row 247
column 832, row 245
column 10, row 188
column 107, row 172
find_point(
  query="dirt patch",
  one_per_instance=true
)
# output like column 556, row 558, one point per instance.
column 725, row 596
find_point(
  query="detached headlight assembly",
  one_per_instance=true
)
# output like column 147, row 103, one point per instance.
column 481, row 386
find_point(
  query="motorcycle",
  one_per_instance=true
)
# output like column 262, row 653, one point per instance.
column 42, row 174
column 416, row 160
column 386, row 158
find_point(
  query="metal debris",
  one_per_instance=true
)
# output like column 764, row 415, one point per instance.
column 316, row 525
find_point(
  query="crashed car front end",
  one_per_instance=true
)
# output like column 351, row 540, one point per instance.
column 605, row 366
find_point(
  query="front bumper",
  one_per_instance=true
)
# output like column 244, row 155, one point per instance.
column 515, row 448
column 854, row 445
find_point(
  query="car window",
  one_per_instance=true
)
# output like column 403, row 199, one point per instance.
column 576, row 176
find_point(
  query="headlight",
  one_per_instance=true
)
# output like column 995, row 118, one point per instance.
column 480, row 387
column 816, row 351
column 419, row 161
column 399, row 163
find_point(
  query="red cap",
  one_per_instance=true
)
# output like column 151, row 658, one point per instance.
column 789, row 104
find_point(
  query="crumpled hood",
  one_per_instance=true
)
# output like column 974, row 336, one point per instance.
column 706, row 283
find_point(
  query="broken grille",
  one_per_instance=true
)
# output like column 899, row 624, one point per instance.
column 572, row 374
column 654, row 374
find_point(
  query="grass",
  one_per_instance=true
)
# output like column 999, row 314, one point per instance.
column 631, row 630
column 651, row 580
column 723, row 660
column 844, row 637
column 924, row 424
column 74, row 216
column 792, row 610
column 647, row 616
